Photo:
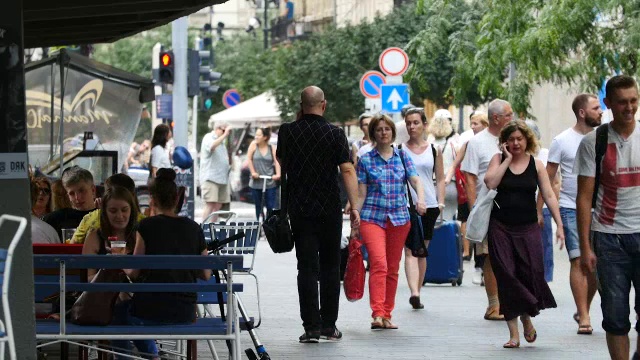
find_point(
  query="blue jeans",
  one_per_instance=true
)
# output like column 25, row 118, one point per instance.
column 618, row 267
column 269, row 197
column 547, row 246
column 570, row 225
column 122, row 316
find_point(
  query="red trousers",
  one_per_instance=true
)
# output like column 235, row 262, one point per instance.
column 384, row 246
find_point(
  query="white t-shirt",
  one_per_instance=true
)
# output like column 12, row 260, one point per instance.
column 402, row 135
column 214, row 166
column 424, row 166
column 617, row 205
column 364, row 149
column 480, row 150
column 160, row 157
column 465, row 136
column 43, row 233
column 448, row 148
column 563, row 152
column 542, row 155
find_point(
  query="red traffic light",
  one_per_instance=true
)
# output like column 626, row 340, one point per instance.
column 166, row 59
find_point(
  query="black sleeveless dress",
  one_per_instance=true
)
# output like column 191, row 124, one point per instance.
column 515, row 246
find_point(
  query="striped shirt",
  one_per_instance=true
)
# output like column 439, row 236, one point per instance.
column 386, row 190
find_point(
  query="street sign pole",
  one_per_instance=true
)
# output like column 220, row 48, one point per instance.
column 180, row 101
column 157, row 88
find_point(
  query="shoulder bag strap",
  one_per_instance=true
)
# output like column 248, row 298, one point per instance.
column 602, row 138
column 283, row 169
column 406, row 177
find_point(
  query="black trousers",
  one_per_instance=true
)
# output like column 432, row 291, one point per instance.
column 317, row 242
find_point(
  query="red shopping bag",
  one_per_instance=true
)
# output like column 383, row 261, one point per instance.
column 355, row 273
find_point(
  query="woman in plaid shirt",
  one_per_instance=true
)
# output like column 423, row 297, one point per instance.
column 384, row 225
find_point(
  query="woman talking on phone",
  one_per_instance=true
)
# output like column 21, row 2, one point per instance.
column 515, row 240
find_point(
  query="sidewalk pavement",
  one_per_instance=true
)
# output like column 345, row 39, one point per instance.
column 450, row 327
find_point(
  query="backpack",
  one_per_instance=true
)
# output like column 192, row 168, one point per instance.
column 602, row 139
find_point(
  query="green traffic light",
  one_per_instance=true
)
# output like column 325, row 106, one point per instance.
column 208, row 103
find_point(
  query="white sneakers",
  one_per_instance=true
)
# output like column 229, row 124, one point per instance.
column 477, row 277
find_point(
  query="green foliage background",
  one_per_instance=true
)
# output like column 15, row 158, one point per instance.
column 460, row 53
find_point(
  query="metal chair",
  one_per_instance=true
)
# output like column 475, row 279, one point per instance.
column 245, row 246
column 6, row 259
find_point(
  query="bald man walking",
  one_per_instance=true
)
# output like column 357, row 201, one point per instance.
column 310, row 151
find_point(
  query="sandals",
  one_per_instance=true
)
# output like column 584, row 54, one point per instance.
column 576, row 317
column 531, row 336
column 493, row 314
column 388, row 324
column 511, row 344
column 585, row 330
column 377, row 323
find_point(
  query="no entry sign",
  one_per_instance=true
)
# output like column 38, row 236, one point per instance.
column 394, row 61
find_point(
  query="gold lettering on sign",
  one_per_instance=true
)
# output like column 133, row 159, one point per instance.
column 39, row 107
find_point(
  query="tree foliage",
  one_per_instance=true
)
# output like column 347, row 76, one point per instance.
column 574, row 42
column 133, row 54
column 334, row 60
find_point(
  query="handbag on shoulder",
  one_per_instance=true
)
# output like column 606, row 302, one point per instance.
column 478, row 220
column 276, row 227
column 415, row 238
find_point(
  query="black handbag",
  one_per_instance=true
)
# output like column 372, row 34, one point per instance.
column 276, row 227
column 415, row 238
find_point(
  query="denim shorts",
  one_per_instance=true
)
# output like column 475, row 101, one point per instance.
column 618, row 267
column 571, row 240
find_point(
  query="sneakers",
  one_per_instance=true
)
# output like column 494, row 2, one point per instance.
column 311, row 337
column 477, row 277
column 331, row 334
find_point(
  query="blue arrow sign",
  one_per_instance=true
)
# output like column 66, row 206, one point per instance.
column 394, row 97
column 370, row 84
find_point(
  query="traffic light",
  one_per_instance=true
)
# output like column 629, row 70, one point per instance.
column 165, row 72
column 207, row 79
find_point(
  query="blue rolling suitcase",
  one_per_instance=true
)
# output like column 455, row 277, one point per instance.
column 444, row 262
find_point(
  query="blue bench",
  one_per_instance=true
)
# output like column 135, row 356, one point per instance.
column 52, row 331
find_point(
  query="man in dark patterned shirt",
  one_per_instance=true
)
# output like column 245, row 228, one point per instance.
column 311, row 150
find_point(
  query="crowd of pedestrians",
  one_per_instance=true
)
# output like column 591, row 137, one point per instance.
column 444, row 173
column 447, row 172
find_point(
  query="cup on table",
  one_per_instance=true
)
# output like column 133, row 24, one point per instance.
column 67, row 235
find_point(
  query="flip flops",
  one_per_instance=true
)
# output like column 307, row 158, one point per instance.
column 377, row 323
column 531, row 336
column 388, row 324
column 511, row 344
column 493, row 314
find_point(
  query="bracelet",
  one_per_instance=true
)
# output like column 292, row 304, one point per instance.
column 355, row 210
column 441, row 205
